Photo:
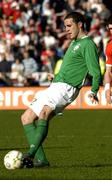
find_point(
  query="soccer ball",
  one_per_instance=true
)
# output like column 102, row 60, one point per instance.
column 12, row 159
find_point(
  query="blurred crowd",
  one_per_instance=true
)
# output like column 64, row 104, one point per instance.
column 33, row 41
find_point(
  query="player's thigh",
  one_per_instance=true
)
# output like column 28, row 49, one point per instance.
column 28, row 116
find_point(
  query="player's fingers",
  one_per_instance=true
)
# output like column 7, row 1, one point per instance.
column 92, row 100
column 109, row 100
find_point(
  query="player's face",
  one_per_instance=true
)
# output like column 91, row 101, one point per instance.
column 71, row 28
column 110, row 28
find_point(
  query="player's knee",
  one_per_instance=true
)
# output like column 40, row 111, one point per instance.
column 45, row 113
column 28, row 117
column 24, row 119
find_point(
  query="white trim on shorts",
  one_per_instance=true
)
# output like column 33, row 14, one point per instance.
column 57, row 96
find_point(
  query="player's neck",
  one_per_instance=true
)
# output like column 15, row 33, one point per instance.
column 81, row 35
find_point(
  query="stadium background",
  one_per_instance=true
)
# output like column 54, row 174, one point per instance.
column 33, row 42
column 79, row 144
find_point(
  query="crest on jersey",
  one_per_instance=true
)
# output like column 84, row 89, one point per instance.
column 76, row 47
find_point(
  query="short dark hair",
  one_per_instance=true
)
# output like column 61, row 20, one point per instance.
column 77, row 17
column 109, row 20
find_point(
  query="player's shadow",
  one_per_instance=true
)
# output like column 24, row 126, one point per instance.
column 26, row 147
column 83, row 166
column 12, row 148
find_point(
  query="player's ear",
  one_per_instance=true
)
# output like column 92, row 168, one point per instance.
column 80, row 24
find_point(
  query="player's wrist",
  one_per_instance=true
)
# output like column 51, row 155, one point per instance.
column 107, row 86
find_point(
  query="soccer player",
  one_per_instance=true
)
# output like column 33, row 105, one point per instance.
column 108, row 73
column 80, row 58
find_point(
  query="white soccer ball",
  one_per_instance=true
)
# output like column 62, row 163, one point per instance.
column 12, row 159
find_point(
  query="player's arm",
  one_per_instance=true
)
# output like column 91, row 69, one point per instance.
column 92, row 62
column 107, row 83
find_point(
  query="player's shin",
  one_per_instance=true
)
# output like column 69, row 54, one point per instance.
column 30, row 132
column 40, row 135
column 40, row 154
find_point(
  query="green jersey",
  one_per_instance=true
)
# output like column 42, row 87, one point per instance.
column 80, row 59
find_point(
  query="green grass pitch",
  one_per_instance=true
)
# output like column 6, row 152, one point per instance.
column 79, row 146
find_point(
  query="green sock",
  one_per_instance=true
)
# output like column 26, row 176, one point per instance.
column 30, row 131
column 40, row 154
column 40, row 134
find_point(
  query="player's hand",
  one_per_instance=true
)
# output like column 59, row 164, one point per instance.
column 108, row 96
column 93, row 98
column 50, row 76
